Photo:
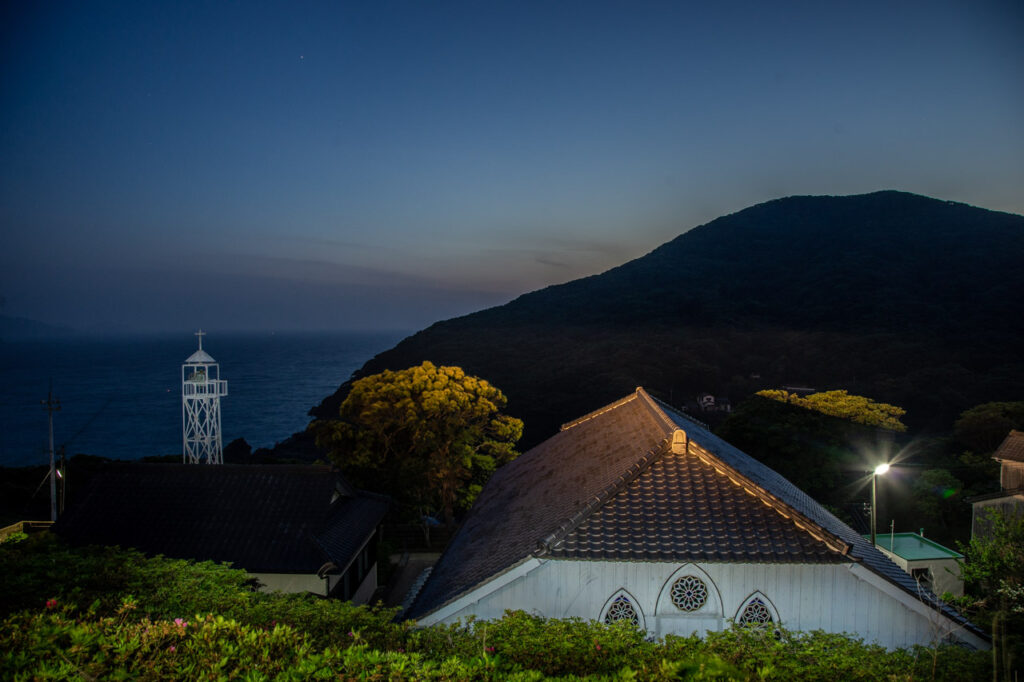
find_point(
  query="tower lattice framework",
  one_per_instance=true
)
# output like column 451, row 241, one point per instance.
column 201, row 391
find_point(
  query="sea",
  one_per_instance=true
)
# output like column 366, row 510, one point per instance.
column 121, row 397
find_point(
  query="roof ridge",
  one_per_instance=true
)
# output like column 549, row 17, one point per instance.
column 659, row 414
column 597, row 413
column 545, row 544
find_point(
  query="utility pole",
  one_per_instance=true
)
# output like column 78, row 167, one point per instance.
column 52, row 406
column 63, row 477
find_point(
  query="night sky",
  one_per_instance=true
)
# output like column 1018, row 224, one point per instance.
column 341, row 165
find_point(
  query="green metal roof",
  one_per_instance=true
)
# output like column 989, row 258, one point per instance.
column 913, row 547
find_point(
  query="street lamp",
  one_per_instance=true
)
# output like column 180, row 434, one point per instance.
column 879, row 471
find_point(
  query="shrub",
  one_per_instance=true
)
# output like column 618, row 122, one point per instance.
column 106, row 613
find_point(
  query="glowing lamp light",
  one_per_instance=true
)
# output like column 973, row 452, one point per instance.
column 879, row 470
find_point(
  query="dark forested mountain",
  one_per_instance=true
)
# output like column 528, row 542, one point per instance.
column 899, row 297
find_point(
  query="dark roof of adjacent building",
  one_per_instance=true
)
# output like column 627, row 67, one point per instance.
column 1007, row 493
column 613, row 486
column 1012, row 447
column 264, row 519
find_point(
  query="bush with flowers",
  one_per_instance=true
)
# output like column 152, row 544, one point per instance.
column 102, row 613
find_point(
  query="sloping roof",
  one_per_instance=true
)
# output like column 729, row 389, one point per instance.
column 264, row 519
column 1012, row 447
column 529, row 498
column 588, row 493
column 200, row 357
column 680, row 508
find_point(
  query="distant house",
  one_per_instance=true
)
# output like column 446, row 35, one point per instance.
column 926, row 561
column 294, row 528
column 1010, row 498
column 635, row 512
column 709, row 403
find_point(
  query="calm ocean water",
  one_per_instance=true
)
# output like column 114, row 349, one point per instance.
column 121, row 398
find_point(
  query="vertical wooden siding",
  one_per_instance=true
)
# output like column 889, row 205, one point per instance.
column 806, row 597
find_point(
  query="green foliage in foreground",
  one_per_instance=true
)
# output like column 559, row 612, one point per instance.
column 100, row 579
column 68, row 614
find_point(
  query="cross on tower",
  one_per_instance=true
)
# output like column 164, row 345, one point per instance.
column 200, row 334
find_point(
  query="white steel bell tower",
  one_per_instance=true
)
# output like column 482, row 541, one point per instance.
column 201, row 391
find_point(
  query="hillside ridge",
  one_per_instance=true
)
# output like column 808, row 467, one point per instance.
column 904, row 298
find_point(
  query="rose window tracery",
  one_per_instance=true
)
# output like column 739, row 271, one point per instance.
column 689, row 593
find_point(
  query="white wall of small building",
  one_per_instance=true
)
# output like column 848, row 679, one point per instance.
column 945, row 573
column 309, row 582
column 1009, row 506
column 291, row 582
column 839, row 597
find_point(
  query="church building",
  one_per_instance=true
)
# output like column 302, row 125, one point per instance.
column 637, row 512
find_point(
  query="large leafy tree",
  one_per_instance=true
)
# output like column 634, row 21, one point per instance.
column 428, row 436
column 811, row 449
column 983, row 427
column 841, row 404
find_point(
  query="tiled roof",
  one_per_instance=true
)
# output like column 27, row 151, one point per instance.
column 611, row 486
column 1012, row 447
column 532, row 496
column 264, row 519
column 681, row 509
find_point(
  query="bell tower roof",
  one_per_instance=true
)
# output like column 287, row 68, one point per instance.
column 200, row 357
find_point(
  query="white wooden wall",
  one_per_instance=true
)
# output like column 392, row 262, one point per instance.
column 831, row 597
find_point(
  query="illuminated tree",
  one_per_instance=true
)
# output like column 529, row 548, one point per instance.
column 841, row 404
column 425, row 435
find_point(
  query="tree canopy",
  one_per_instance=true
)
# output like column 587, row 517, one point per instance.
column 841, row 404
column 428, row 436
column 983, row 427
column 993, row 571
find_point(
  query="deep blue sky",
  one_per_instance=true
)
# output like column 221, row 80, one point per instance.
column 248, row 165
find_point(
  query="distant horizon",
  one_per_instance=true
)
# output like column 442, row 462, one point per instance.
column 65, row 331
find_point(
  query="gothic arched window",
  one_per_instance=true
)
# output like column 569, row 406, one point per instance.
column 622, row 608
column 756, row 613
